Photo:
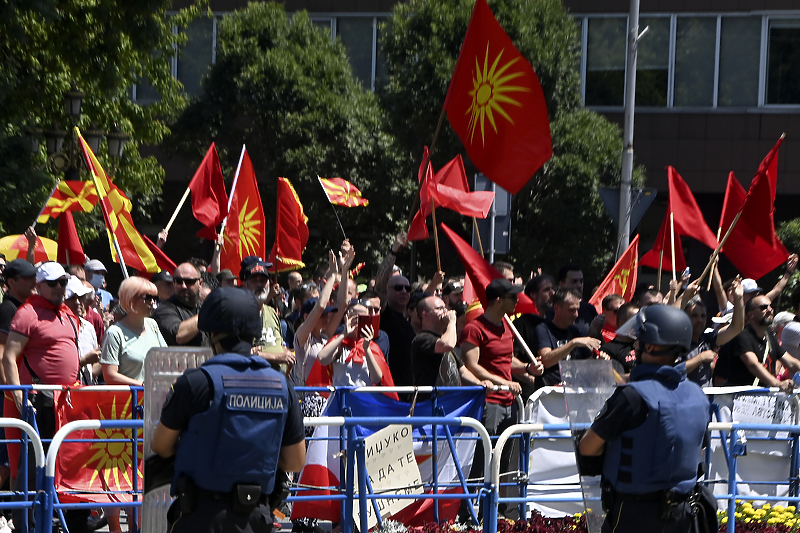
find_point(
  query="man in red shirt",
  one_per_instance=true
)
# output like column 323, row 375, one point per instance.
column 487, row 345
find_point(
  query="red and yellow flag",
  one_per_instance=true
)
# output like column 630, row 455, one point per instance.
column 622, row 278
column 117, row 215
column 245, row 229
column 496, row 105
column 342, row 192
column 85, row 469
column 69, row 196
column 291, row 229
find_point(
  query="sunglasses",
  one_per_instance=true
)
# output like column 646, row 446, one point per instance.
column 763, row 307
column 149, row 298
column 186, row 281
column 54, row 282
column 400, row 288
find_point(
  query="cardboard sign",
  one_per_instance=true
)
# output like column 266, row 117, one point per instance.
column 392, row 469
column 763, row 409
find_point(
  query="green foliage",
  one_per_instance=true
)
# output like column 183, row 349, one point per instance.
column 280, row 86
column 103, row 47
column 789, row 233
column 558, row 217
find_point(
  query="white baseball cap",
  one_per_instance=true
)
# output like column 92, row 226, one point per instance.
column 750, row 285
column 75, row 287
column 50, row 271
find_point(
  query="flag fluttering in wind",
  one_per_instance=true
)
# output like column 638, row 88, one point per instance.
column 480, row 272
column 69, row 196
column 342, row 192
column 163, row 260
column 688, row 222
column 759, row 205
column 70, row 251
column 751, row 254
column 448, row 188
column 117, row 215
column 291, row 229
column 245, row 229
column 496, row 105
column 209, row 199
column 622, row 278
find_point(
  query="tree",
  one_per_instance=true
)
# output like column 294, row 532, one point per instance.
column 280, row 86
column 104, row 48
column 558, row 217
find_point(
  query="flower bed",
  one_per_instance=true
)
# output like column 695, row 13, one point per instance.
column 766, row 519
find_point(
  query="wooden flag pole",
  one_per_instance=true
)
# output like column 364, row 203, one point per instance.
column 45, row 203
column 711, row 278
column 720, row 245
column 436, row 237
column 660, row 265
column 425, row 161
column 672, row 242
column 180, row 204
column 478, row 234
column 520, row 339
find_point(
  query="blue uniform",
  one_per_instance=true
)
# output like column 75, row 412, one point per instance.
column 654, row 430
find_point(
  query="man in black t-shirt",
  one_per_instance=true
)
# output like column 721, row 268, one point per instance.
column 559, row 339
column 397, row 327
column 20, row 277
column 621, row 347
column 749, row 359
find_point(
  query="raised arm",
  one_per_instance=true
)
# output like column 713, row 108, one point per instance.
column 791, row 265
column 306, row 328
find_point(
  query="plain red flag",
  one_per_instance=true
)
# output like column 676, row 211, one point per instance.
column 245, row 229
column 209, row 199
column 759, row 206
column 688, row 220
column 70, row 250
column 480, row 272
column 752, row 255
column 496, row 105
column 291, row 229
column 622, row 278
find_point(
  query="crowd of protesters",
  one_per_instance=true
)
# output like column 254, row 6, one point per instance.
column 61, row 324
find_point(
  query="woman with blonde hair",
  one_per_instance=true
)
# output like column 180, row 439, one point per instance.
column 127, row 342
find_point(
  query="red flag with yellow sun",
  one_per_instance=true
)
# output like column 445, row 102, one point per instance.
column 496, row 105
column 96, row 471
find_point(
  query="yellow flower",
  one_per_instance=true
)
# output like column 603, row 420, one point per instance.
column 747, row 504
column 724, row 520
column 737, row 515
column 791, row 508
column 778, row 508
column 766, row 506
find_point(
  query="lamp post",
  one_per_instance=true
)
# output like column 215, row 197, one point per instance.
column 63, row 150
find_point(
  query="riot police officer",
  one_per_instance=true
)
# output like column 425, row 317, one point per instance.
column 231, row 425
column 651, row 433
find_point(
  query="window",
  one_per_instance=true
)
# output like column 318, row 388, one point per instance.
column 195, row 56
column 739, row 56
column 695, row 51
column 356, row 34
column 605, row 62
column 783, row 62
column 652, row 62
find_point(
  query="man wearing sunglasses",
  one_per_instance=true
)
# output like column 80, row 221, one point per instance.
column 177, row 316
column 750, row 358
column 394, row 321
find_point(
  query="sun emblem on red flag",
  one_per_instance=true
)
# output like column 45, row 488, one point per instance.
column 113, row 460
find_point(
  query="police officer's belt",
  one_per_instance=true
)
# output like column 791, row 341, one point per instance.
column 650, row 496
column 233, row 496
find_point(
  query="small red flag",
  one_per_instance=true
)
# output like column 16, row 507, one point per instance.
column 209, row 199
column 496, row 105
column 245, row 229
column 480, row 272
column 759, row 206
column 70, row 251
column 752, row 255
column 291, row 229
column 622, row 278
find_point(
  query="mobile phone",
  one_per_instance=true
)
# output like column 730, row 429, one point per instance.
column 686, row 272
column 369, row 320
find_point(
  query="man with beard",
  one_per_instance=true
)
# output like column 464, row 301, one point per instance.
column 750, row 358
column 177, row 317
column 270, row 345
column 540, row 290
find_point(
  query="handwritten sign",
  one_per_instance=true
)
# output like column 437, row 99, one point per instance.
column 763, row 409
column 392, row 469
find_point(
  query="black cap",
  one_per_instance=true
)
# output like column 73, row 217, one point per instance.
column 309, row 304
column 245, row 265
column 500, row 287
column 259, row 267
column 19, row 268
column 161, row 276
column 230, row 310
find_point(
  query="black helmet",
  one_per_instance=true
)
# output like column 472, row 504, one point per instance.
column 664, row 325
column 230, row 310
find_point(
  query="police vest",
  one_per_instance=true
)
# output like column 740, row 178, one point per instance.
column 664, row 451
column 238, row 439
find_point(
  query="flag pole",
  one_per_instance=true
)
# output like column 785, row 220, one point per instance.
column 180, row 204
column 230, row 198
column 478, row 233
column 672, row 242
column 436, row 237
column 425, row 160
column 45, row 203
column 331, row 204
column 711, row 278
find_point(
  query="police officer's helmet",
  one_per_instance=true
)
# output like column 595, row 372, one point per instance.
column 231, row 311
column 664, row 325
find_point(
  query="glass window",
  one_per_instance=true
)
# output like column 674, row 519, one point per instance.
column 652, row 63
column 695, row 49
column 783, row 63
column 739, row 58
column 195, row 56
column 146, row 93
column 325, row 24
column 381, row 69
column 356, row 36
column 605, row 61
